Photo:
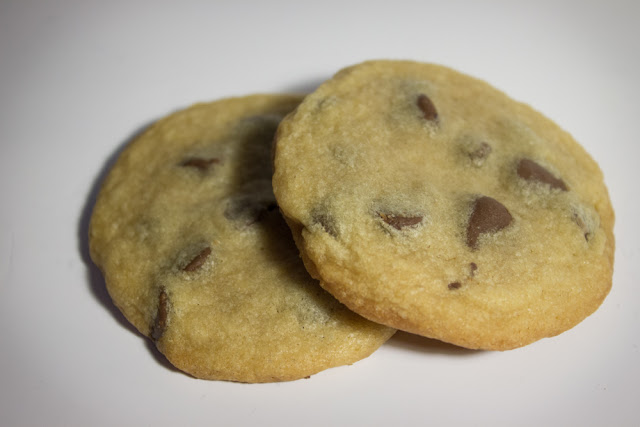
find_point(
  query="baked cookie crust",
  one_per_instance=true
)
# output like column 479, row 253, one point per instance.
column 429, row 201
column 196, row 255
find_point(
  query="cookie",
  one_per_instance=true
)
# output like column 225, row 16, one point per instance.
column 196, row 255
column 426, row 200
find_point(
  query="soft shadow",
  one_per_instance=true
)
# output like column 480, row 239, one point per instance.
column 161, row 358
column 249, row 189
column 306, row 86
column 417, row 343
column 95, row 279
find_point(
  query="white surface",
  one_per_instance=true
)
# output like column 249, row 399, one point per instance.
column 79, row 78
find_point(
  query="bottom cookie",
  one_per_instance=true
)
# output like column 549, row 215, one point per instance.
column 196, row 255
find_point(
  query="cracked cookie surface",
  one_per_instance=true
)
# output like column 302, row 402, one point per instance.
column 197, row 256
column 429, row 201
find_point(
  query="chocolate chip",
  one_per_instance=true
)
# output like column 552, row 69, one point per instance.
column 583, row 226
column 532, row 171
column 200, row 163
column 428, row 109
column 454, row 285
column 327, row 222
column 480, row 153
column 198, row 261
column 473, row 267
column 399, row 221
column 487, row 216
column 160, row 322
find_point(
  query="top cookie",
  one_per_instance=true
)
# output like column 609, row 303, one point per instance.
column 196, row 255
column 429, row 201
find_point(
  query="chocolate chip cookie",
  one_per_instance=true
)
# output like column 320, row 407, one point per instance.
column 197, row 256
column 429, row 201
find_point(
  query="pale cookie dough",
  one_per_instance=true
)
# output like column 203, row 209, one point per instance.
column 197, row 256
column 431, row 202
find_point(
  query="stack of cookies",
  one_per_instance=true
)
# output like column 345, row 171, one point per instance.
column 269, row 237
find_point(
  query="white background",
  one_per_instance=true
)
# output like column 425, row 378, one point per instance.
column 78, row 79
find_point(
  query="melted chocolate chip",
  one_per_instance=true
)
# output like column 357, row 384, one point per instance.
column 327, row 222
column 473, row 267
column 399, row 221
column 198, row 261
column 160, row 322
column 532, row 171
column 428, row 109
column 454, row 285
column 583, row 226
column 200, row 163
column 480, row 153
column 487, row 216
